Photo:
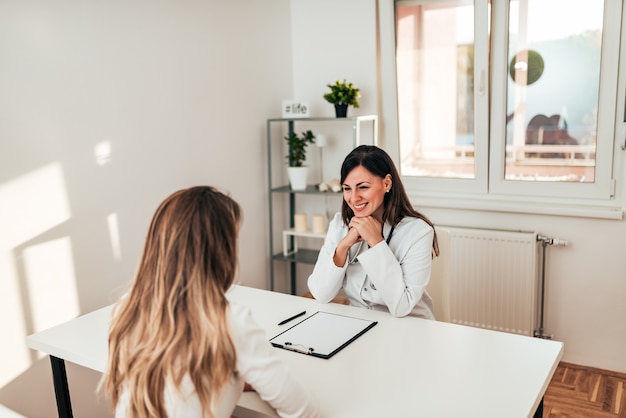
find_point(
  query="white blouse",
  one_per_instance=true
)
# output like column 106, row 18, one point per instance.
column 389, row 276
column 257, row 364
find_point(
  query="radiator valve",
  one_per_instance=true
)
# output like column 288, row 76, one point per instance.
column 557, row 242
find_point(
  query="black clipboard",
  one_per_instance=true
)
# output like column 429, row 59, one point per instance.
column 323, row 334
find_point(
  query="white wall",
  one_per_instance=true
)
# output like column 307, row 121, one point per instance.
column 181, row 90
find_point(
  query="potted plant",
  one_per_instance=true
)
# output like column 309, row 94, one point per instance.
column 296, row 156
column 342, row 95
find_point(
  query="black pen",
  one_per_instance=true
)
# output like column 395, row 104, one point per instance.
column 292, row 318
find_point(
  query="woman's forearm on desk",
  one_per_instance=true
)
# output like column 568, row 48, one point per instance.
column 260, row 366
column 326, row 279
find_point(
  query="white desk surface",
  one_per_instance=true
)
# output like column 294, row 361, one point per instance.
column 401, row 367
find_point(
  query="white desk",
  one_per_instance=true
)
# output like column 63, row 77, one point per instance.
column 401, row 367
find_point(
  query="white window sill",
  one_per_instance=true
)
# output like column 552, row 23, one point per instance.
column 510, row 204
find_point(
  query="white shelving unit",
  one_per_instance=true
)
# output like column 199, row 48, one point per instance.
column 281, row 194
column 292, row 248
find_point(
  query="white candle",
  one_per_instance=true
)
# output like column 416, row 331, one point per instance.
column 300, row 222
column 319, row 224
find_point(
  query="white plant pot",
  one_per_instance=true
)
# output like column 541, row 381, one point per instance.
column 297, row 177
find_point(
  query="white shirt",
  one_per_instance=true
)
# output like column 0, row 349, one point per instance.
column 390, row 277
column 257, row 364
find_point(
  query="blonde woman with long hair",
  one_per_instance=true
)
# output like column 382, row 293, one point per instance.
column 177, row 346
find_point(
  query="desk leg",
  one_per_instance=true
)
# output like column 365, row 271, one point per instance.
column 61, row 389
column 539, row 411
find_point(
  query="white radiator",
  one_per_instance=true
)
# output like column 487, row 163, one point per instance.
column 487, row 279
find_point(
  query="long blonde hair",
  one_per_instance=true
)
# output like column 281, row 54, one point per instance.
column 173, row 321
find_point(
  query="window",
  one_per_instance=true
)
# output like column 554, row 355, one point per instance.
column 435, row 70
column 509, row 98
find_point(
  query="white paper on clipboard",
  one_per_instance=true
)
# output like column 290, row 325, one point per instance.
column 322, row 334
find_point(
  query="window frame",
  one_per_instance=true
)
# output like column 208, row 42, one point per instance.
column 487, row 191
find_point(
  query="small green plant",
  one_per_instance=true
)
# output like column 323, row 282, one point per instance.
column 297, row 147
column 343, row 93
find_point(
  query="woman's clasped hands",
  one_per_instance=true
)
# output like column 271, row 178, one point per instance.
column 366, row 229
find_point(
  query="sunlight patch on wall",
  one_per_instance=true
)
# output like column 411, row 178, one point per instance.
column 15, row 356
column 32, row 205
column 114, row 236
column 49, row 269
column 8, row 413
column 102, row 151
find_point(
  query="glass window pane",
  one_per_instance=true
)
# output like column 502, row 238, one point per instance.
column 435, row 73
column 553, row 89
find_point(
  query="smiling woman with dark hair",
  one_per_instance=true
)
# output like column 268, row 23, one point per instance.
column 379, row 249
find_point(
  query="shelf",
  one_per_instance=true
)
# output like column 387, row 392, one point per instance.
column 287, row 202
column 327, row 119
column 301, row 256
column 309, row 234
column 310, row 189
column 292, row 233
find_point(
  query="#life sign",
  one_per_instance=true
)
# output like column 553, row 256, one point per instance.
column 295, row 109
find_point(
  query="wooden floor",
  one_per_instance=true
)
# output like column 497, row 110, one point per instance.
column 584, row 392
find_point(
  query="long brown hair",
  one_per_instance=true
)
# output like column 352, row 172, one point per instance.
column 396, row 203
column 173, row 321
